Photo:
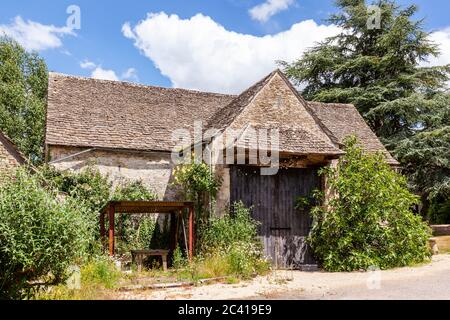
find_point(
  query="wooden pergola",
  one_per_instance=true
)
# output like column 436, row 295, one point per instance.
column 147, row 207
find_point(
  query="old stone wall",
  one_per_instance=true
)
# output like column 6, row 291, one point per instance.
column 7, row 161
column 153, row 169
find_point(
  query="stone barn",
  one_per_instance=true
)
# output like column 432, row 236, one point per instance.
column 131, row 131
column 10, row 156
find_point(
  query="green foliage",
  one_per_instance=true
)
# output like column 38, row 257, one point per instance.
column 97, row 276
column 232, row 239
column 222, row 232
column 196, row 179
column 179, row 260
column 92, row 190
column 439, row 212
column 100, row 272
column 426, row 159
column 40, row 235
column 370, row 222
column 198, row 184
column 381, row 72
column 23, row 92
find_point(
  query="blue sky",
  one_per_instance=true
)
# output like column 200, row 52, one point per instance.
column 182, row 51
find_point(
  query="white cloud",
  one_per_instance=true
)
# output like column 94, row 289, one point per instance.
column 100, row 73
column 198, row 53
column 35, row 36
column 105, row 74
column 86, row 64
column 441, row 38
column 268, row 9
column 130, row 74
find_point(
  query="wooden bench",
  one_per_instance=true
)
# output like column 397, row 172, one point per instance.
column 139, row 255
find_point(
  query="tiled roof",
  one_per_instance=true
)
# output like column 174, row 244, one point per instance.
column 109, row 114
column 98, row 113
column 344, row 120
column 291, row 140
column 11, row 148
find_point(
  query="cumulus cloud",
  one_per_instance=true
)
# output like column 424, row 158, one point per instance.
column 33, row 35
column 130, row 74
column 198, row 53
column 106, row 74
column 268, row 9
column 441, row 38
column 103, row 74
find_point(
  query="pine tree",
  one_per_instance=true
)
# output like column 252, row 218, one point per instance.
column 381, row 71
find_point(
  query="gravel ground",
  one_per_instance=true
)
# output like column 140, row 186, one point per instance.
column 430, row 281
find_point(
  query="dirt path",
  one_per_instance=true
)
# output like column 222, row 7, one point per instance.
column 431, row 281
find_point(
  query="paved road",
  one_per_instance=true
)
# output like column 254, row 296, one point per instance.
column 418, row 283
column 428, row 281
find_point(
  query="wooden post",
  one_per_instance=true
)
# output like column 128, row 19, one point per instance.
column 102, row 229
column 112, row 213
column 191, row 232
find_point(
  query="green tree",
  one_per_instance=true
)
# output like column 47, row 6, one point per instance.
column 23, row 94
column 41, row 234
column 381, row 71
column 370, row 221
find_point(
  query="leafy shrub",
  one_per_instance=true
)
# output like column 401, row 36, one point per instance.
column 179, row 260
column 100, row 272
column 237, row 226
column 439, row 212
column 198, row 184
column 40, row 235
column 232, row 239
column 369, row 222
column 97, row 275
column 92, row 190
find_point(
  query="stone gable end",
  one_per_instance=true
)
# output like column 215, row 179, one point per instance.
column 277, row 105
column 7, row 161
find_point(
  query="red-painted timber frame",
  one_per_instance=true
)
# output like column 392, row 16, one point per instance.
column 145, row 207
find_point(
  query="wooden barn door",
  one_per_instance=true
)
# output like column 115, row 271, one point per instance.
column 283, row 229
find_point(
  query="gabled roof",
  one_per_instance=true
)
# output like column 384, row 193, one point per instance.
column 291, row 140
column 344, row 120
column 12, row 149
column 110, row 114
column 225, row 116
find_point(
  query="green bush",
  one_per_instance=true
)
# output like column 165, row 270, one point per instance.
column 370, row 221
column 233, row 238
column 439, row 212
column 41, row 234
column 100, row 272
column 92, row 190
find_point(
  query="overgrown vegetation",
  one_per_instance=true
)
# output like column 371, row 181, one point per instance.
column 370, row 222
column 41, row 234
column 96, row 277
column 381, row 71
column 230, row 243
column 23, row 92
column 198, row 184
column 226, row 245
column 93, row 191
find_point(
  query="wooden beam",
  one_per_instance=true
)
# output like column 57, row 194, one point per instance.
column 112, row 213
column 191, row 232
column 102, row 230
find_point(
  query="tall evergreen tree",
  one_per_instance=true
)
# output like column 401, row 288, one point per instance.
column 381, row 71
column 23, row 92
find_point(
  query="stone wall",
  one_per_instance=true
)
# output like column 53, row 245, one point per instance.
column 153, row 169
column 276, row 104
column 7, row 161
